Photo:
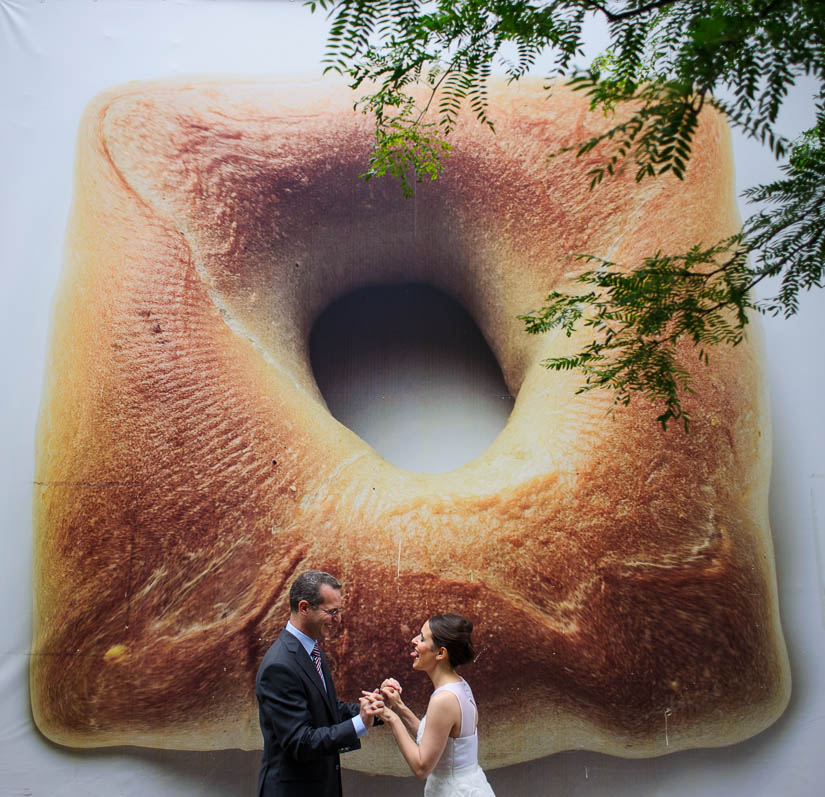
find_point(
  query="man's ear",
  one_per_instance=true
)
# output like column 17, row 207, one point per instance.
column 303, row 607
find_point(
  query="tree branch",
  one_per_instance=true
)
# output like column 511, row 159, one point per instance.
column 631, row 13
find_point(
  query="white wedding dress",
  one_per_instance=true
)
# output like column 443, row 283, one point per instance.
column 457, row 773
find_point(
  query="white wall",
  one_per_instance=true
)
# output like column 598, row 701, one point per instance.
column 54, row 56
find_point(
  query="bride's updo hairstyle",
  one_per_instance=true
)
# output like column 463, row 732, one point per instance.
column 454, row 633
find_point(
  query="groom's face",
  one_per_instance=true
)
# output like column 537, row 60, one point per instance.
column 324, row 621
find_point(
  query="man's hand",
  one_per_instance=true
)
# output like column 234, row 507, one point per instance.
column 372, row 704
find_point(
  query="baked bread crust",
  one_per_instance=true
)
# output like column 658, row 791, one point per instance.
column 621, row 577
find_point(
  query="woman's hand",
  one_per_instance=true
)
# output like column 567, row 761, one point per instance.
column 388, row 715
column 391, row 692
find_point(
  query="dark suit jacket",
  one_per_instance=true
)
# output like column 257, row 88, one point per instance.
column 304, row 726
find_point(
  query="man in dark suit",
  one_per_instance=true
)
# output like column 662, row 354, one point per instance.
column 303, row 723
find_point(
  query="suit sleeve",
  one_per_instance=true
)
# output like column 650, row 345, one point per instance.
column 348, row 709
column 283, row 701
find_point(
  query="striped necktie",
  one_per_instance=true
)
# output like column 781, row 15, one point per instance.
column 316, row 657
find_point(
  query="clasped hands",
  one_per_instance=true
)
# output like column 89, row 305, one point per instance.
column 380, row 702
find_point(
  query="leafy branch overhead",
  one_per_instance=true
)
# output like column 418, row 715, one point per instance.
column 667, row 59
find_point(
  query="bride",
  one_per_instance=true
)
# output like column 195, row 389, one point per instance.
column 445, row 750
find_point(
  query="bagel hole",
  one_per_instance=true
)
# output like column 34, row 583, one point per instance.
column 406, row 368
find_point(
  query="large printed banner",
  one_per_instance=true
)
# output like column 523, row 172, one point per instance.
column 190, row 458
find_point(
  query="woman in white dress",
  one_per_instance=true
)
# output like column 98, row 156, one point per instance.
column 445, row 750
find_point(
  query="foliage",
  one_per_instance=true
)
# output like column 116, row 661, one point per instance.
column 668, row 58
column 639, row 316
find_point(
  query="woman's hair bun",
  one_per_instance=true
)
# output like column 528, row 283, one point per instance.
column 454, row 633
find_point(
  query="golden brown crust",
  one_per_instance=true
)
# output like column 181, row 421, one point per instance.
column 621, row 577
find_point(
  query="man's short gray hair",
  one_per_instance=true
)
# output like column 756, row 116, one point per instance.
column 307, row 587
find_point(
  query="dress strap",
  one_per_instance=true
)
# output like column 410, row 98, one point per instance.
column 466, row 701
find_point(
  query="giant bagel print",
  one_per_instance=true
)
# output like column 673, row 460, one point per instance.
column 621, row 577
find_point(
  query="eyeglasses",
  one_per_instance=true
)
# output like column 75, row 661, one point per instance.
column 331, row 612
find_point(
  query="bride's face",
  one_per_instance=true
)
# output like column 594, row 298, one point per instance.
column 423, row 655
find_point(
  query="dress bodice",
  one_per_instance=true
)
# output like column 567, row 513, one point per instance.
column 460, row 751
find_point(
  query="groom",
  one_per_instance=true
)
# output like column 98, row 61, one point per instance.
column 303, row 723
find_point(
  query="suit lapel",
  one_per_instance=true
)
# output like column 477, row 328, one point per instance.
column 306, row 664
